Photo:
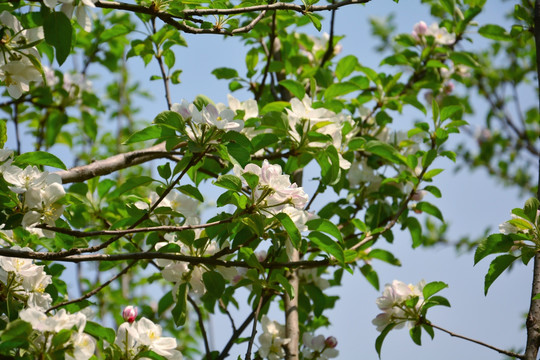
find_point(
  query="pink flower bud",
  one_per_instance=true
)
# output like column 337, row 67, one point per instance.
column 130, row 313
column 330, row 342
column 419, row 30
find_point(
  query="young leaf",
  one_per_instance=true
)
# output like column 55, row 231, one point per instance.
column 290, row 228
column 100, row 332
column 370, row 275
column 179, row 311
column 380, row 339
column 327, row 245
column 148, row 133
column 494, row 243
column 294, row 87
column 531, row 209
column 429, row 209
column 432, row 288
column 229, row 182
column 416, row 335
column 39, row 158
column 57, row 30
column 326, row 226
column 496, row 268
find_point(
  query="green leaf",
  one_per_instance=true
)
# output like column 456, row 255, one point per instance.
column 432, row 288
column 370, row 275
column 39, row 158
column 380, row 339
column 100, row 332
column 496, row 268
column 433, row 190
column 180, row 309
column 493, row 244
column 57, row 29
column 416, row 334
column 230, row 182
column 165, row 302
column 286, row 284
column 290, row 228
column 214, row 283
column 3, row 133
column 170, row 118
column 448, row 5
column 416, row 231
column 463, row 58
column 339, row 89
column 15, row 330
column 432, row 173
column 251, row 179
column 531, row 208
column 225, row 73
column 435, row 108
column 327, row 245
column 429, row 209
column 148, row 133
column 191, row 191
column 449, row 111
column 315, row 20
column 494, row 32
column 325, row 226
column 294, row 87
column 61, row 338
column 130, row 184
column 385, row 151
column 346, row 66
column 385, row 256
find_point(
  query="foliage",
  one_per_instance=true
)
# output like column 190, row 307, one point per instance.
column 311, row 109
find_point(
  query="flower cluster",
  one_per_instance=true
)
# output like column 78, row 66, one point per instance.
column 80, row 346
column 272, row 340
column 178, row 203
column 440, row 35
column 274, row 193
column 400, row 303
column 17, row 70
column 40, row 191
column 319, row 347
column 179, row 272
column 304, row 118
column 210, row 116
column 134, row 337
column 25, row 281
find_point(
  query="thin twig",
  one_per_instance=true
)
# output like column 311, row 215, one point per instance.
column 330, row 49
column 254, row 328
column 164, row 75
column 269, row 58
column 94, row 291
column 236, row 334
column 164, row 228
column 505, row 352
column 201, row 325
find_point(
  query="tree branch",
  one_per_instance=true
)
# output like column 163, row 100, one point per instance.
column 501, row 351
column 201, row 325
column 164, row 228
column 115, row 163
column 96, row 290
column 533, row 317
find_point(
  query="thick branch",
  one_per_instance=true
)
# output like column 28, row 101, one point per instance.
column 195, row 260
column 114, row 163
column 533, row 317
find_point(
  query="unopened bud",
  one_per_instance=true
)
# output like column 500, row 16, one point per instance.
column 130, row 313
column 330, row 342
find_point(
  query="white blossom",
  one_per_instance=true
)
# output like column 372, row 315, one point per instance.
column 272, row 339
column 315, row 347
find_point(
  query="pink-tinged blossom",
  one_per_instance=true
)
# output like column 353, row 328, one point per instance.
column 440, row 35
column 315, row 347
column 130, row 313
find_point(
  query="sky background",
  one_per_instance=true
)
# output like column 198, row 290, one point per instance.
column 471, row 203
